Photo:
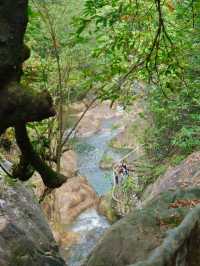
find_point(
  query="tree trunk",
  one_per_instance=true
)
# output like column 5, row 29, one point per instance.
column 19, row 105
column 13, row 22
column 50, row 178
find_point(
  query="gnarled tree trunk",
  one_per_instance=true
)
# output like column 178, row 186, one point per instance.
column 19, row 105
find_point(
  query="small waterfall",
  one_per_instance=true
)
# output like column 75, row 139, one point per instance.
column 90, row 226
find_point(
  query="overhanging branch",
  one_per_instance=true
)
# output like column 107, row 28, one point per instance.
column 19, row 105
column 50, row 178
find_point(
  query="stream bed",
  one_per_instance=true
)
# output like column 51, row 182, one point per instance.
column 90, row 151
column 90, row 225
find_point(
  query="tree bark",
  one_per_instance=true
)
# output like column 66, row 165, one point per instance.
column 50, row 178
column 23, row 170
column 21, row 105
column 17, row 104
column 13, row 22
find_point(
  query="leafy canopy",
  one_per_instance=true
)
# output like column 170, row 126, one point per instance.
column 156, row 42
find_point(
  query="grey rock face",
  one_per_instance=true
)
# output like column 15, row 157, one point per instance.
column 135, row 237
column 186, row 174
column 25, row 237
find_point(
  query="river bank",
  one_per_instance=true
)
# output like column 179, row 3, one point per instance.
column 74, row 211
column 91, row 142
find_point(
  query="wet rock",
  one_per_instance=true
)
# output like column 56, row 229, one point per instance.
column 107, row 162
column 25, row 237
column 65, row 238
column 88, row 126
column 106, row 208
column 72, row 198
column 91, row 122
column 90, row 226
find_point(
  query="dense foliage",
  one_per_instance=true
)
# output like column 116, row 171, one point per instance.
column 56, row 66
column 156, row 43
column 118, row 50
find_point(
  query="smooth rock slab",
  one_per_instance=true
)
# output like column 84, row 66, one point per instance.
column 136, row 236
column 25, row 237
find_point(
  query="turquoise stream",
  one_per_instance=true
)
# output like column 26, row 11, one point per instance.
column 90, row 225
column 90, row 151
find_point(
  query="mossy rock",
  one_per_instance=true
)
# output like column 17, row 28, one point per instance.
column 106, row 162
column 106, row 208
column 134, row 237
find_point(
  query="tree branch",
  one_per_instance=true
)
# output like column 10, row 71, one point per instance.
column 50, row 178
column 19, row 105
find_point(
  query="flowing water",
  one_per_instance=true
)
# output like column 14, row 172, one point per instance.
column 90, row 225
column 90, row 151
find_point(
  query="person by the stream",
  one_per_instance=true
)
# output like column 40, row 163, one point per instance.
column 116, row 178
column 125, row 169
column 120, row 173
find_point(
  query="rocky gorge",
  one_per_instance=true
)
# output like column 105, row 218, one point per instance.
column 85, row 237
column 160, row 225
column 99, row 133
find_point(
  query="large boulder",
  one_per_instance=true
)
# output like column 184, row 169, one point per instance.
column 64, row 204
column 106, row 208
column 72, row 198
column 91, row 122
column 69, row 165
column 136, row 236
column 25, row 237
column 186, row 174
